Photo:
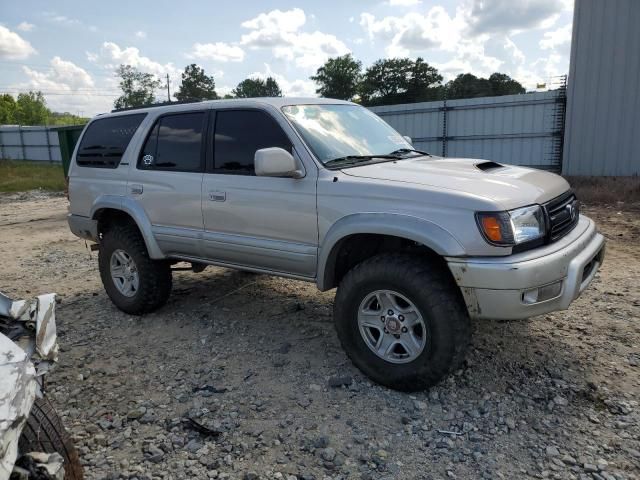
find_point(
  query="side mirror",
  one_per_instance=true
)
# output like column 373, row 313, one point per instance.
column 408, row 139
column 276, row 162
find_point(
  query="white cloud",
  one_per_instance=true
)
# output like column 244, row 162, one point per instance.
column 25, row 26
column 415, row 31
column 13, row 46
column 295, row 88
column 557, row 39
column 403, row 3
column 141, row 34
column 277, row 20
column 112, row 55
column 220, row 51
column 61, row 19
column 281, row 31
column 70, row 88
column 504, row 16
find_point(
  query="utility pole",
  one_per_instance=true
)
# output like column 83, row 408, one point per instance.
column 168, row 92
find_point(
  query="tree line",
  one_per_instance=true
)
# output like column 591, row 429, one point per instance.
column 31, row 109
column 385, row 82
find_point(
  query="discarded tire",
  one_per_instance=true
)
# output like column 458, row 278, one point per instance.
column 44, row 432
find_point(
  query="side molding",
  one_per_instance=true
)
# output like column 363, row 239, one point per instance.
column 136, row 212
column 419, row 230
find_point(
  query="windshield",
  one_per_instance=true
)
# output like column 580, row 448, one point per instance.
column 337, row 131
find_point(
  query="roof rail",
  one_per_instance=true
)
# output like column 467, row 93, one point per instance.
column 161, row 104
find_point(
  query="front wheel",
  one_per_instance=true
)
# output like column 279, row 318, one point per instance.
column 402, row 321
column 135, row 283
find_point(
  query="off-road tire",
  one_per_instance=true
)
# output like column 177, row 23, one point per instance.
column 155, row 275
column 429, row 285
column 44, row 432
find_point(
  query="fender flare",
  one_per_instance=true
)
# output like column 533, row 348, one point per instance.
column 412, row 228
column 137, row 213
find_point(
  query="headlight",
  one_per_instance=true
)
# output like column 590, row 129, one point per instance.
column 513, row 227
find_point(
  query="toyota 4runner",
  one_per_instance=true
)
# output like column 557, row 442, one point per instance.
column 325, row 191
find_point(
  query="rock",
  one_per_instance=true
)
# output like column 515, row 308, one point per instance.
column 590, row 468
column 251, row 476
column 343, row 381
column 552, row 451
column 380, row 457
column 602, row 464
column 561, row 401
column 136, row 413
column 154, row 454
column 328, row 454
column 568, row 459
column 321, row 442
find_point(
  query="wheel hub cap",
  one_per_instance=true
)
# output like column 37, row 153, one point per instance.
column 124, row 273
column 392, row 326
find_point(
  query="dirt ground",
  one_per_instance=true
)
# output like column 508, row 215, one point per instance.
column 254, row 357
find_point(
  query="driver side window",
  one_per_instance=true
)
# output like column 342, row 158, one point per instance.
column 239, row 134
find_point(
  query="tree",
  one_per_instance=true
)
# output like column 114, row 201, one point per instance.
column 339, row 77
column 31, row 109
column 138, row 88
column 502, row 84
column 257, row 87
column 467, row 85
column 196, row 85
column 425, row 83
column 400, row 80
column 7, row 109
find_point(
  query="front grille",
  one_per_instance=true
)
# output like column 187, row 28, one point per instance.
column 562, row 215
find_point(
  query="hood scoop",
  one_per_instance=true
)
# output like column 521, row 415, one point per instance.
column 486, row 166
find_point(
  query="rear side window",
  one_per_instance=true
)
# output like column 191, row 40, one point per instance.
column 174, row 143
column 106, row 139
column 239, row 133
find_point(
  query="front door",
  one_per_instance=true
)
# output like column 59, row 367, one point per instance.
column 167, row 181
column 264, row 222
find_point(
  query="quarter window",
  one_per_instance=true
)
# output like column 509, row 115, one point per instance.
column 106, row 140
column 238, row 134
column 174, row 143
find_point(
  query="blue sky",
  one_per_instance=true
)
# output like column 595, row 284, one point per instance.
column 69, row 49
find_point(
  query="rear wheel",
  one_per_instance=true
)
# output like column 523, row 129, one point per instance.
column 402, row 321
column 44, row 432
column 135, row 283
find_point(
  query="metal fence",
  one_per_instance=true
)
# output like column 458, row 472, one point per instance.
column 523, row 129
column 29, row 143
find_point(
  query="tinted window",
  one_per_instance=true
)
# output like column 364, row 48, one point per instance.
column 175, row 143
column 239, row 133
column 105, row 140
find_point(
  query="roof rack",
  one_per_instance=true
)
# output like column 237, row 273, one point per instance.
column 161, row 104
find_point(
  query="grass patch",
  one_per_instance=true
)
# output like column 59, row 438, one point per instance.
column 607, row 190
column 21, row 176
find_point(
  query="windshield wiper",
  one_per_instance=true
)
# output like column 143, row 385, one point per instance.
column 354, row 159
column 402, row 151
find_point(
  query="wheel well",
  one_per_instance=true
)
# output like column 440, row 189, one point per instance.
column 107, row 217
column 354, row 249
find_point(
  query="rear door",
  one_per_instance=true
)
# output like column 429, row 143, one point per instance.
column 167, row 180
column 264, row 222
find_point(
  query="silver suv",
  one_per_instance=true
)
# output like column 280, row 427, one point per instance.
column 325, row 191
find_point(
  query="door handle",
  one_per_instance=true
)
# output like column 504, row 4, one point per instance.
column 218, row 196
column 135, row 189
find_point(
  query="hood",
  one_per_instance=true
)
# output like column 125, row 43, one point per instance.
column 507, row 185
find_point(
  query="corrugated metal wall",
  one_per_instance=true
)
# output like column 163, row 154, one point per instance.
column 603, row 102
column 513, row 129
column 29, row 143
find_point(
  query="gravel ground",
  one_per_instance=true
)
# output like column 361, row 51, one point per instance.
column 256, row 361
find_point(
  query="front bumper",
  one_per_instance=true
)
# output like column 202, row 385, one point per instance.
column 500, row 287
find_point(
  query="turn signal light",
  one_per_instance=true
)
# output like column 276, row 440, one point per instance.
column 491, row 227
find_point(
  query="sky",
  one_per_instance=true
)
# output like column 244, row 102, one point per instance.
column 69, row 49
